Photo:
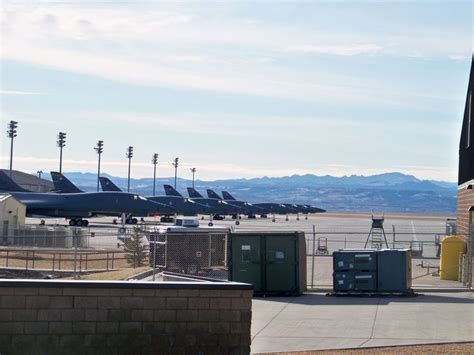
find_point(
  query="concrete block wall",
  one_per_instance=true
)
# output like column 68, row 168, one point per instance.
column 74, row 317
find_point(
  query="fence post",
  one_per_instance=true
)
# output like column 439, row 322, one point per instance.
column 113, row 255
column 59, row 262
column 26, row 260
column 393, row 236
column 7, row 258
column 154, row 255
column 54, row 259
column 74, row 240
column 107, row 266
column 33, row 264
column 87, row 255
column 312, row 256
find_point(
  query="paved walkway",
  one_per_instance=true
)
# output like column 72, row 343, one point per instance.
column 315, row 321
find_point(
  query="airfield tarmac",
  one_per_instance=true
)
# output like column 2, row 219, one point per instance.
column 342, row 230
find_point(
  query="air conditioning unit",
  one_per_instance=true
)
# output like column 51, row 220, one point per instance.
column 187, row 222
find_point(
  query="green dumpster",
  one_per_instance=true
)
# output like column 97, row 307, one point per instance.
column 274, row 262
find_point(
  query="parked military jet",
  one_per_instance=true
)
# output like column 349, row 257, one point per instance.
column 218, row 207
column 76, row 206
column 247, row 208
column 183, row 206
column 268, row 207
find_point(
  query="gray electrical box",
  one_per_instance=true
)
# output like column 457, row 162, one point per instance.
column 355, row 281
column 371, row 270
column 394, row 270
column 355, row 259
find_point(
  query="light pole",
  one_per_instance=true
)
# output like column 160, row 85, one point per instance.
column 175, row 164
column 12, row 133
column 61, row 144
column 193, row 170
column 154, row 160
column 99, row 148
column 39, row 172
column 129, row 156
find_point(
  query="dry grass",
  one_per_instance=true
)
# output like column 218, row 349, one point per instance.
column 63, row 260
column 114, row 275
column 450, row 348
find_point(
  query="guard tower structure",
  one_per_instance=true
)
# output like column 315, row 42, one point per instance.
column 376, row 236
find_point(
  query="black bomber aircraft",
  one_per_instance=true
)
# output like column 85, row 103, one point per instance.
column 276, row 208
column 182, row 206
column 77, row 206
column 218, row 208
column 247, row 208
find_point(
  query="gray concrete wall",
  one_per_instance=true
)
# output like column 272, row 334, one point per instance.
column 74, row 317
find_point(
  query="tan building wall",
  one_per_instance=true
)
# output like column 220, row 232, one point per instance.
column 68, row 317
column 13, row 211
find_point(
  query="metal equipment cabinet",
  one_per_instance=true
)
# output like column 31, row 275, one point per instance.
column 355, row 270
column 371, row 270
column 355, row 260
column 355, row 281
column 394, row 270
column 274, row 262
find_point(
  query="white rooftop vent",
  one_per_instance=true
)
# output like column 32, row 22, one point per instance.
column 187, row 222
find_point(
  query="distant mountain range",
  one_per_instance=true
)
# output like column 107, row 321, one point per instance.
column 390, row 192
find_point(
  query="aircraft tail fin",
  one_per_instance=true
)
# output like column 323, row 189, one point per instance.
column 62, row 184
column 171, row 191
column 8, row 185
column 107, row 185
column 193, row 193
column 213, row 194
column 227, row 196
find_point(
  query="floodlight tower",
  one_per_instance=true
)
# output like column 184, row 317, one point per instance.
column 12, row 133
column 193, row 170
column 129, row 156
column 99, row 148
column 175, row 164
column 154, row 160
column 61, row 144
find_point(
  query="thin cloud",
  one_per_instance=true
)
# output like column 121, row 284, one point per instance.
column 19, row 93
column 340, row 50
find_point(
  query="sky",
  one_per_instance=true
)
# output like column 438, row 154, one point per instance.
column 238, row 88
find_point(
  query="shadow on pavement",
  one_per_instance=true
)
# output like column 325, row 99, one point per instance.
column 322, row 299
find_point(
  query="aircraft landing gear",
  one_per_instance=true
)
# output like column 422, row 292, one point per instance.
column 131, row 221
column 237, row 222
column 78, row 222
column 263, row 216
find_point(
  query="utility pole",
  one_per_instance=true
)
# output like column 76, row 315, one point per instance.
column 61, row 144
column 12, row 133
column 154, row 160
column 99, row 148
column 175, row 164
column 193, row 170
column 129, row 156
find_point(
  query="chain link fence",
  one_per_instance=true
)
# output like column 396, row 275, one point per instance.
column 203, row 253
